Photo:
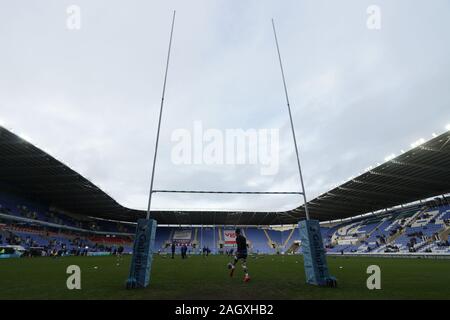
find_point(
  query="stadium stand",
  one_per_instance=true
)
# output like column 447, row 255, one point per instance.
column 208, row 239
column 410, row 230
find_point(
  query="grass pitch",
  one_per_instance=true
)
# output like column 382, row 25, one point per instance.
column 273, row 277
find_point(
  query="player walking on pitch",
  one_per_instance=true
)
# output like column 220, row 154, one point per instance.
column 241, row 254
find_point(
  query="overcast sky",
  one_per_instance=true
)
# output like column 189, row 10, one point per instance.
column 90, row 97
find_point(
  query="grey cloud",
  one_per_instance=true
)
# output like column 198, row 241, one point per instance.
column 91, row 97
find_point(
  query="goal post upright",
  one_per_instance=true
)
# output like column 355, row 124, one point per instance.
column 160, row 117
column 314, row 255
column 290, row 120
column 141, row 263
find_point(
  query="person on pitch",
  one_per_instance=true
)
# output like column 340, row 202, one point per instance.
column 241, row 254
column 173, row 250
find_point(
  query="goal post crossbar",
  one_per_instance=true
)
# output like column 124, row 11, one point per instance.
column 229, row 192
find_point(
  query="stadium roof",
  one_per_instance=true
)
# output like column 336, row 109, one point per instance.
column 420, row 173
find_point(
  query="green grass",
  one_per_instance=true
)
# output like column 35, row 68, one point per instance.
column 273, row 277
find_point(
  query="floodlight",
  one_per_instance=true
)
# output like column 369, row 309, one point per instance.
column 389, row 157
column 417, row 143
